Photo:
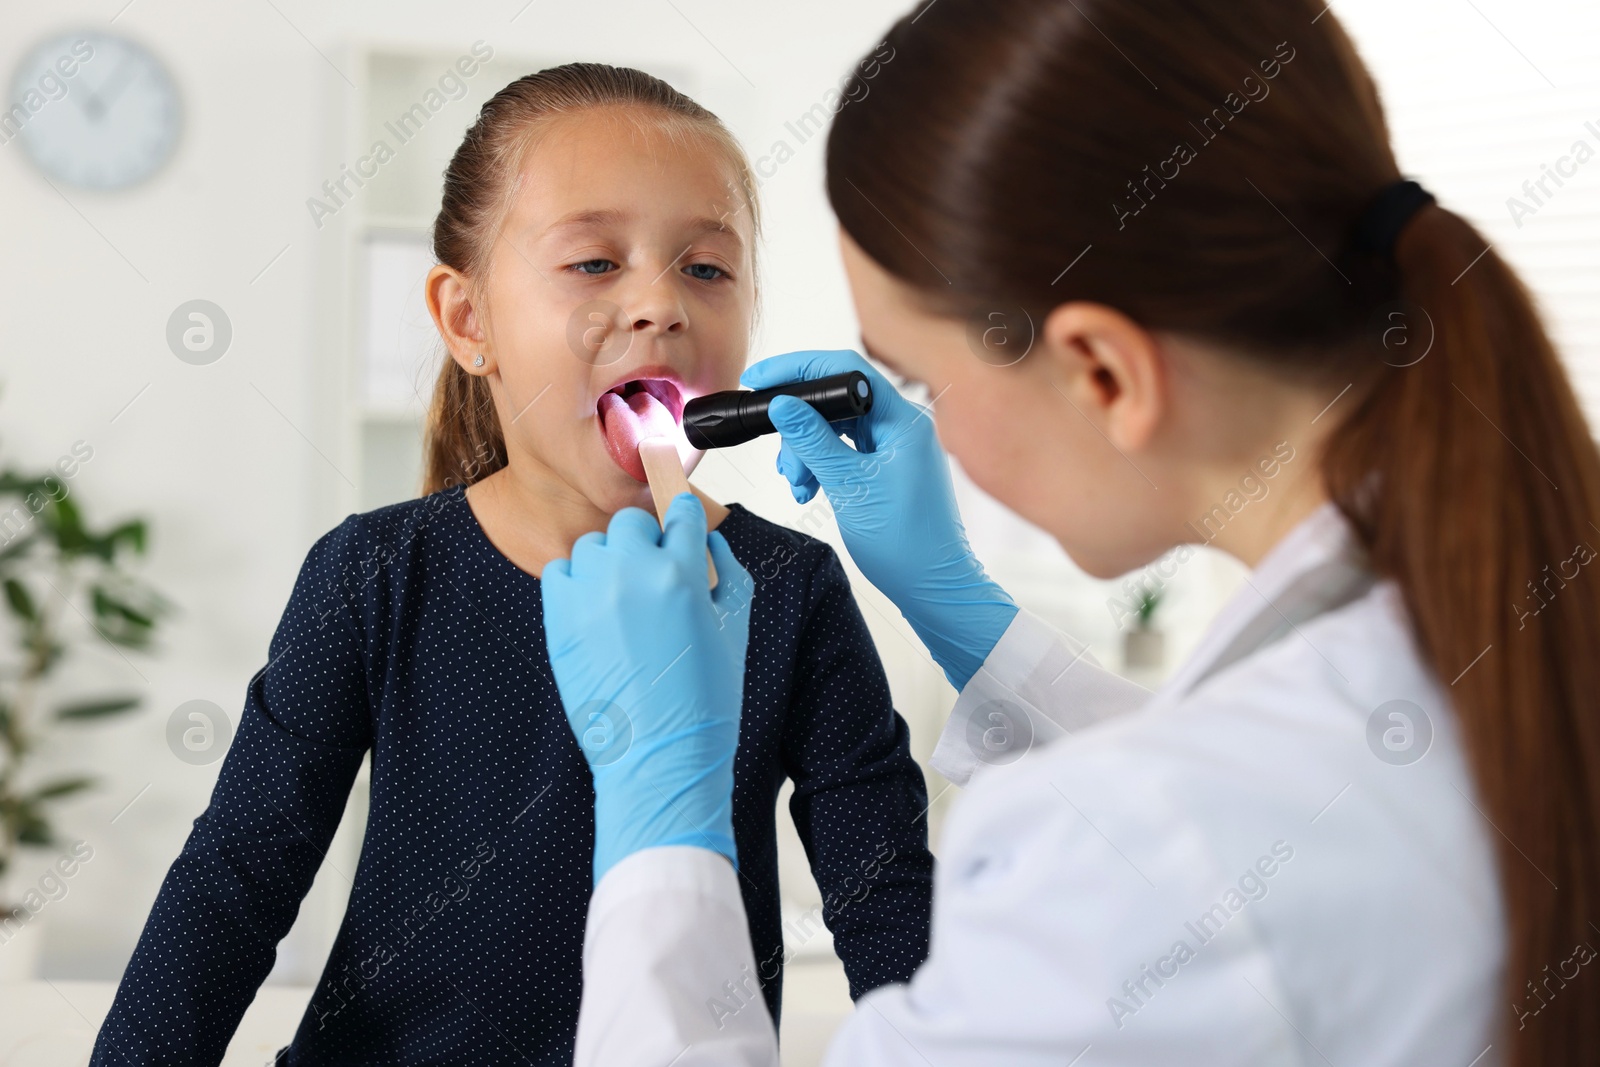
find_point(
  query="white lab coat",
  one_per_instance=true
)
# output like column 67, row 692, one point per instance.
column 1223, row 872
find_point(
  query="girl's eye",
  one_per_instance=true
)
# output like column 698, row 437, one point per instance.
column 594, row 266
column 695, row 271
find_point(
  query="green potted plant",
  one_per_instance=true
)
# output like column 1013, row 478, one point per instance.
column 63, row 583
column 1144, row 646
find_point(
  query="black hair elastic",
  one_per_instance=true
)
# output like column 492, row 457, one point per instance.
column 1381, row 222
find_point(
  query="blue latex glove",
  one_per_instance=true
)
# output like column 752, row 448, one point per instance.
column 650, row 665
column 895, row 507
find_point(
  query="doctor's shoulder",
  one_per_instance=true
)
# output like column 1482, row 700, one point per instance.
column 1334, row 732
column 1306, row 814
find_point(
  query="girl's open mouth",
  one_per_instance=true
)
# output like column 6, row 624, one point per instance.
column 633, row 410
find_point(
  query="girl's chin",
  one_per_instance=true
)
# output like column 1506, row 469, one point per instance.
column 620, row 491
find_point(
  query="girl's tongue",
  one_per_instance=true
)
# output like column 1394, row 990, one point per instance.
column 628, row 417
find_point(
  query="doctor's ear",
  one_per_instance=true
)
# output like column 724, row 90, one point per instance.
column 1109, row 367
column 449, row 298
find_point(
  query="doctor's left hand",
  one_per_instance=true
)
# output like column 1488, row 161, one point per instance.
column 649, row 661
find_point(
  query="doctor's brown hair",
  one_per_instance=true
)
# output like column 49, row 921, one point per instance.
column 1207, row 160
column 462, row 441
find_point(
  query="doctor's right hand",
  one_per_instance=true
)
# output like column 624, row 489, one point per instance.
column 895, row 506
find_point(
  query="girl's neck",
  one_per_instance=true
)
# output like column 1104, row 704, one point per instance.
column 532, row 517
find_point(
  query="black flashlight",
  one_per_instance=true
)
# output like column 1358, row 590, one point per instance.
column 720, row 420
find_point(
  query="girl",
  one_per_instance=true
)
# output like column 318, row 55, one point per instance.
column 1362, row 824
column 596, row 251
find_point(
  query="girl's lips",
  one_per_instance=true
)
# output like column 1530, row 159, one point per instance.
column 634, row 410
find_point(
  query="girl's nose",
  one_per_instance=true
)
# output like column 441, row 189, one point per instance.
column 663, row 320
column 658, row 306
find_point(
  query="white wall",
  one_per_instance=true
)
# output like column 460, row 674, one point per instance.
column 238, row 464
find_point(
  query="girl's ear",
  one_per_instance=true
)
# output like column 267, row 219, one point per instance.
column 450, row 303
column 1109, row 367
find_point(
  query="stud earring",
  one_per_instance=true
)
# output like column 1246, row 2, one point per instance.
column 477, row 361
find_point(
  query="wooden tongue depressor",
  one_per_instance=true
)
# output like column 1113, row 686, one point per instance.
column 665, row 471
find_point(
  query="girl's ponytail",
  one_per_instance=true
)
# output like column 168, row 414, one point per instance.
column 463, row 442
column 1472, row 477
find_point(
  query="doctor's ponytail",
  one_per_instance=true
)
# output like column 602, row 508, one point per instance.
column 1204, row 175
column 1483, row 510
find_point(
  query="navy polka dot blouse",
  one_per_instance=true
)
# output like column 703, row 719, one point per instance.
column 411, row 636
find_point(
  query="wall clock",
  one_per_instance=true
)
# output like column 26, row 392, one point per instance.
column 93, row 110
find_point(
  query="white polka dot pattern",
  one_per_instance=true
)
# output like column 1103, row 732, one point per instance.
column 410, row 634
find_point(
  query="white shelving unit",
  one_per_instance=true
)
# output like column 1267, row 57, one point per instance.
column 394, row 347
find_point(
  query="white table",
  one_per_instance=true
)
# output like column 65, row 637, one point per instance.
column 51, row 1023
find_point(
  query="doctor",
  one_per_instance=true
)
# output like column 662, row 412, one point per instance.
column 1157, row 269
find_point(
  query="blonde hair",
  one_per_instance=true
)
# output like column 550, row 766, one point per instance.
column 463, row 442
